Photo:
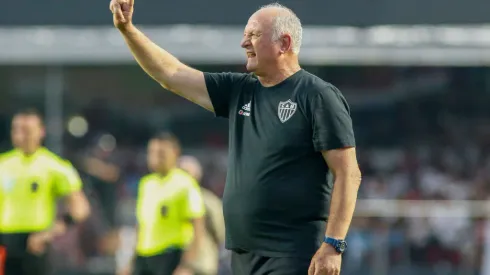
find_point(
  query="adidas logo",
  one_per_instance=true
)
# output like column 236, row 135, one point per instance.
column 246, row 107
column 245, row 110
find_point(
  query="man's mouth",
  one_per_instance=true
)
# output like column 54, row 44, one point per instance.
column 250, row 54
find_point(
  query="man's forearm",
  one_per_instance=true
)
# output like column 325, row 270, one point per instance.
column 155, row 61
column 342, row 206
column 166, row 69
column 78, row 206
column 129, row 266
column 190, row 254
column 192, row 251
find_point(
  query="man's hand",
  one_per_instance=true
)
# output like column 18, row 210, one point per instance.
column 325, row 262
column 37, row 242
column 181, row 270
column 125, row 271
column 122, row 11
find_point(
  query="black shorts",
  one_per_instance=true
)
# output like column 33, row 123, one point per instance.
column 17, row 260
column 248, row 263
column 161, row 264
column 27, row 265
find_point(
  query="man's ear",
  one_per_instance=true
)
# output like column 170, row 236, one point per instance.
column 286, row 43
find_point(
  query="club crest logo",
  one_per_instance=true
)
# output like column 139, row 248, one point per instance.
column 286, row 110
column 164, row 211
column 34, row 187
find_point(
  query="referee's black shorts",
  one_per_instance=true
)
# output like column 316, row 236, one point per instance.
column 248, row 263
column 17, row 261
column 27, row 265
column 164, row 263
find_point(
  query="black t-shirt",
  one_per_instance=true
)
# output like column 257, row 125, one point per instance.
column 278, row 186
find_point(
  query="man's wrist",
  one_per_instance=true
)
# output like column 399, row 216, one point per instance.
column 339, row 245
column 186, row 265
column 128, row 29
column 68, row 220
column 47, row 235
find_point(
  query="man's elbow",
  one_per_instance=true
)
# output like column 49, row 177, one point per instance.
column 351, row 178
column 356, row 176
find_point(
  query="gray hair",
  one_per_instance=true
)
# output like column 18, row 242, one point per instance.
column 286, row 22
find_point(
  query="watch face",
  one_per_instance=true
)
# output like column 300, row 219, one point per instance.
column 342, row 246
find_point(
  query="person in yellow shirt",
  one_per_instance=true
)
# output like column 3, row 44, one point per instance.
column 31, row 180
column 170, row 211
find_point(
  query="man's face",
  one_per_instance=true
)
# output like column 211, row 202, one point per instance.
column 27, row 132
column 261, row 50
column 162, row 155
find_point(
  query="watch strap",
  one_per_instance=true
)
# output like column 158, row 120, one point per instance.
column 338, row 245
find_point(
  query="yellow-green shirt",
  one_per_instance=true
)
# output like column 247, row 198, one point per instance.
column 165, row 209
column 29, row 188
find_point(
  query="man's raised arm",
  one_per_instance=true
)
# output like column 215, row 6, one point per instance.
column 158, row 63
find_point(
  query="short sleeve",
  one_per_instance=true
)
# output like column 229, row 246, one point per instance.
column 194, row 204
column 66, row 179
column 221, row 89
column 140, row 211
column 331, row 121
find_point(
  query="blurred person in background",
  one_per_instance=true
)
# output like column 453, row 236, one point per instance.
column 103, row 174
column 287, row 127
column 31, row 180
column 210, row 249
column 170, row 214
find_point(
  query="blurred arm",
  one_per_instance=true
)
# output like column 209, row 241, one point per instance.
column 192, row 251
column 78, row 206
column 102, row 170
column 195, row 212
column 215, row 213
column 167, row 69
column 78, row 209
column 69, row 186
column 126, row 267
column 347, row 178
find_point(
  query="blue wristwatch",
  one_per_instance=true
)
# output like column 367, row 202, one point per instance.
column 339, row 245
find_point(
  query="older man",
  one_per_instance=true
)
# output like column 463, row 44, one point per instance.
column 292, row 158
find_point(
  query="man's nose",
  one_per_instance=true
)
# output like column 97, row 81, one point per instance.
column 245, row 42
